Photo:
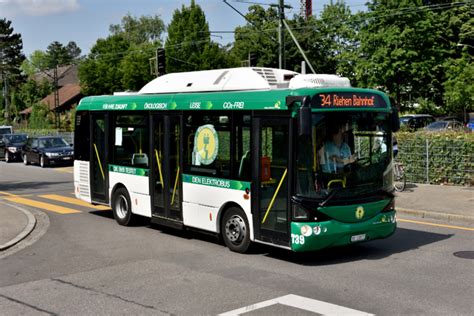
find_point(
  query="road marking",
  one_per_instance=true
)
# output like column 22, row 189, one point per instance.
column 308, row 304
column 42, row 205
column 6, row 193
column 65, row 169
column 74, row 201
column 433, row 224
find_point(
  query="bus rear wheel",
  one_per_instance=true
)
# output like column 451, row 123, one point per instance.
column 235, row 230
column 122, row 207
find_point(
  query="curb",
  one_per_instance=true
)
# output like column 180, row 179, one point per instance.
column 26, row 231
column 436, row 215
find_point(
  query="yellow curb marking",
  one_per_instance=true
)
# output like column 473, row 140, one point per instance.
column 74, row 201
column 433, row 224
column 44, row 206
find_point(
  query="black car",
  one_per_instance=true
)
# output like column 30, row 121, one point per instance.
column 10, row 146
column 47, row 150
column 416, row 121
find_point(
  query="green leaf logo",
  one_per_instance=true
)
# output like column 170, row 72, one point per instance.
column 173, row 105
column 277, row 104
column 134, row 106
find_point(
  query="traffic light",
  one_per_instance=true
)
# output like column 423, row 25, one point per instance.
column 160, row 61
column 252, row 59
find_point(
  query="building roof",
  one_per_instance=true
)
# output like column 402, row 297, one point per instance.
column 66, row 75
column 68, row 94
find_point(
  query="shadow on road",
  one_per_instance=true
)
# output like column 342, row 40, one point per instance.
column 403, row 240
column 29, row 185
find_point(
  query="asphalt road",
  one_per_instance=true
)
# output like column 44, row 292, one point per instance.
column 84, row 263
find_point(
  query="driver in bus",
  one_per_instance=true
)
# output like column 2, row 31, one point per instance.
column 335, row 153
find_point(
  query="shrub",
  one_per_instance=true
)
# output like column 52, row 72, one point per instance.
column 448, row 157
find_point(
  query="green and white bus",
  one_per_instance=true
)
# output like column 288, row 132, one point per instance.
column 301, row 162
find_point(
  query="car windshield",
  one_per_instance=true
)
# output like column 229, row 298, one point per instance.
column 5, row 130
column 16, row 138
column 437, row 125
column 52, row 143
column 347, row 154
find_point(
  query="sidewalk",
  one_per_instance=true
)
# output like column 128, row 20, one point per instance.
column 15, row 224
column 446, row 203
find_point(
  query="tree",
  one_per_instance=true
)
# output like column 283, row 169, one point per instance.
column 259, row 37
column 11, row 57
column 100, row 72
column 57, row 54
column 135, row 66
column 404, row 46
column 139, row 30
column 188, row 46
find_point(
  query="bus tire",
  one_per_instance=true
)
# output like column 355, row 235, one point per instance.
column 122, row 207
column 235, row 230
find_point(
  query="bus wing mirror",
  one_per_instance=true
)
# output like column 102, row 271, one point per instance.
column 304, row 115
column 395, row 120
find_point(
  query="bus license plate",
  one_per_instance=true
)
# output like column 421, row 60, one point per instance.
column 357, row 237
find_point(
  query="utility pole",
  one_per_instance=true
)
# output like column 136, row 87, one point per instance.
column 5, row 96
column 56, row 98
column 281, row 35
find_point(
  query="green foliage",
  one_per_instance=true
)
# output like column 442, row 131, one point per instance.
column 100, row 73
column 121, row 61
column 57, row 54
column 11, row 46
column 135, row 66
column 39, row 118
column 136, row 31
column 450, row 159
column 189, row 46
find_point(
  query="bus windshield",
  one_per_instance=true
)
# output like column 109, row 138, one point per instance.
column 348, row 154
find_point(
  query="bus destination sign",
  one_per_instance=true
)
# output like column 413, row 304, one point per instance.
column 348, row 100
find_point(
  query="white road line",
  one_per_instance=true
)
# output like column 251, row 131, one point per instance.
column 308, row 304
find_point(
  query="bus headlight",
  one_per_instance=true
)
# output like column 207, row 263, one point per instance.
column 306, row 231
column 299, row 213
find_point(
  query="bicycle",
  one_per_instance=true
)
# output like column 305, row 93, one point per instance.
column 399, row 181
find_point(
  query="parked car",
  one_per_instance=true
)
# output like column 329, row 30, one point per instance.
column 11, row 145
column 470, row 124
column 416, row 121
column 443, row 126
column 47, row 150
column 5, row 129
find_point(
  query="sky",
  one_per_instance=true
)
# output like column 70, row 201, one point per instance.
column 40, row 22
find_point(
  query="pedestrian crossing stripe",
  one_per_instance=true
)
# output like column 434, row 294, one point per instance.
column 42, row 205
column 53, row 207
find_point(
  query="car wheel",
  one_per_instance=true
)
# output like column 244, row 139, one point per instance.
column 25, row 160
column 122, row 207
column 43, row 162
column 235, row 230
column 7, row 157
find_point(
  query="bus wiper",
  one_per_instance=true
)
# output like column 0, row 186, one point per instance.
column 331, row 195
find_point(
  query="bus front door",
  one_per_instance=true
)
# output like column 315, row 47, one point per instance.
column 272, row 176
column 166, row 171
column 99, row 172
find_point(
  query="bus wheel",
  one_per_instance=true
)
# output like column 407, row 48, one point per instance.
column 122, row 207
column 235, row 230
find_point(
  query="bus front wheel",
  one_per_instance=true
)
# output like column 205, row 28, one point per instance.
column 122, row 207
column 235, row 230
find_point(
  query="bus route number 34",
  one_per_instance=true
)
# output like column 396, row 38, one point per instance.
column 297, row 239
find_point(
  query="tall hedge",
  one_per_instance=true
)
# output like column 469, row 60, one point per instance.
column 437, row 158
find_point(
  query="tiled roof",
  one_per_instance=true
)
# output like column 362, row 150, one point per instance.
column 66, row 75
column 67, row 94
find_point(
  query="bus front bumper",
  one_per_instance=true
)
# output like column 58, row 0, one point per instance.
column 310, row 236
